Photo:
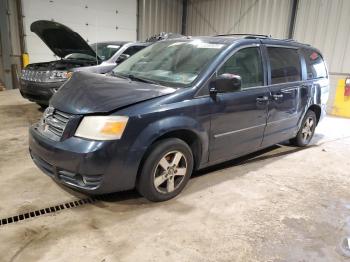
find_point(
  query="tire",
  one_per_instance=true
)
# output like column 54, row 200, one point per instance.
column 160, row 177
column 306, row 131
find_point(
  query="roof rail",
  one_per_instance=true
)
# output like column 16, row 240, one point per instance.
column 295, row 41
column 247, row 35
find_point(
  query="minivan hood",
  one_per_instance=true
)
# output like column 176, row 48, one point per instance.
column 61, row 39
column 87, row 93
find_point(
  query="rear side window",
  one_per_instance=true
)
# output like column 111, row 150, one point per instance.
column 133, row 50
column 247, row 64
column 285, row 65
column 315, row 65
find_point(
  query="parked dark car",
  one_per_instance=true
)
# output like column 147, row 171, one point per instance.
column 39, row 81
column 179, row 106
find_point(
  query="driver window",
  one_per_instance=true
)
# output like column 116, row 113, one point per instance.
column 247, row 64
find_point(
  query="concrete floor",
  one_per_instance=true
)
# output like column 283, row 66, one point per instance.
column 281, row 204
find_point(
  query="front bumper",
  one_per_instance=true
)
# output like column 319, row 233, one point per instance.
column 92, row 167
column 39, row 92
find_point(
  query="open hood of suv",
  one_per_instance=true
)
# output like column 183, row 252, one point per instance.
column 87, row 93
column 61, row 39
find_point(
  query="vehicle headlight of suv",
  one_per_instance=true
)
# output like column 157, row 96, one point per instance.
column 102, row 127
column 59, row 75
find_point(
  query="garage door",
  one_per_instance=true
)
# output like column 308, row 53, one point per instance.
column 95, row 21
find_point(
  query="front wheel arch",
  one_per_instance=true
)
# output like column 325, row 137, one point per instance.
column 188, row 136
column 180, row 126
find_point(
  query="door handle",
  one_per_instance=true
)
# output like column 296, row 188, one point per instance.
column 261, row 99
column 277, row 96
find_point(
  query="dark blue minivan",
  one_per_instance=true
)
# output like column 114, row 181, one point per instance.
column 178, row 106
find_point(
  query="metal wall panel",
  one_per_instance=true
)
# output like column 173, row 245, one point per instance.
column 325, row 25
column 10, row 55
column 157, row 16
column 210, row 17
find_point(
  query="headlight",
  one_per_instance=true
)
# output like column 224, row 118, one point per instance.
column 102, row 127
column 59, row 75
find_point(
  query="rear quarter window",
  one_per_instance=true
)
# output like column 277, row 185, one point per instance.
column 133, row 50
column 315, row 66
column 285, row 65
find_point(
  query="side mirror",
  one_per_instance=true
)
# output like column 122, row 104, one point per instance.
column 225, row 83
column 122, row 58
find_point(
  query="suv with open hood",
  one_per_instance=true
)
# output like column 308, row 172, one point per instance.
column 39, row 81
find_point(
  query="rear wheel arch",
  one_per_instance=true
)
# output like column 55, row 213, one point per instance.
column 317, row 110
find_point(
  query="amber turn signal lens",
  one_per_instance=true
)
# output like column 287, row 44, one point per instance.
column 113, row 128
column 69, row 74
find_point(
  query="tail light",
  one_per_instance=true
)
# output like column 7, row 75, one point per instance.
column 347, row 87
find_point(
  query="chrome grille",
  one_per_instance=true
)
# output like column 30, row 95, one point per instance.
column 54, row 123
column 58, row 122
column 44, row 76
column 35, row 76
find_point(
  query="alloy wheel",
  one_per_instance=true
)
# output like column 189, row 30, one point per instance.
column 170, row 172
column 308, row 129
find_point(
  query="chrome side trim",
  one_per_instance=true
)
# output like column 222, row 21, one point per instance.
column 248, row 128
column 289, row 89
column 237, row 131
column 281, row 120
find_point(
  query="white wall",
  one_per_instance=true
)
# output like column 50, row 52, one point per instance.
column 94, row 20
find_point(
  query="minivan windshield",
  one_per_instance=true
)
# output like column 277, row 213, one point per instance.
column 174, row 63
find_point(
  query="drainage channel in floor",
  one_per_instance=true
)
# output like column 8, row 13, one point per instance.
column 48, row 210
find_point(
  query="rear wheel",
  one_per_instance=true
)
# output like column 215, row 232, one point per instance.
column 166, row 170
column 306, row 131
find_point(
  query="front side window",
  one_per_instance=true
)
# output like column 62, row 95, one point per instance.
column 247, row 64
column 175, row 63
column 315, row 65
column 285, row 65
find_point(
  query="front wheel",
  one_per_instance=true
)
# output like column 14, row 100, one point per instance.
column 166, row 170
column 306, row 131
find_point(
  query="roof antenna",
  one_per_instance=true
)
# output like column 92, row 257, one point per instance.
column 96, row 56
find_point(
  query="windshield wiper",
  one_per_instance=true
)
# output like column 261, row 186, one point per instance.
column 141, row 79
column 132, row 77
column 118, row 75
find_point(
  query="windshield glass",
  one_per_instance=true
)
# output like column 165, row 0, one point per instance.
column 105, row 50
column 172, row 63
